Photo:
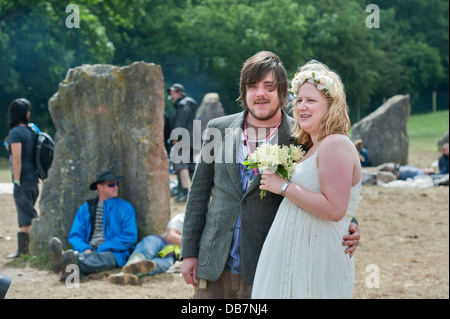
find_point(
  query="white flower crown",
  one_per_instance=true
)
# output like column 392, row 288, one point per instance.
column 324, row 82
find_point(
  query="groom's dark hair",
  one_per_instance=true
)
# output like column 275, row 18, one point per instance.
column 256, row 68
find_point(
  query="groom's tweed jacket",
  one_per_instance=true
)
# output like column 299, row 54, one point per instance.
column 215, row 200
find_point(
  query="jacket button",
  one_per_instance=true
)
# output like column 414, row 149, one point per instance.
column 231, row 228
column 244, row 202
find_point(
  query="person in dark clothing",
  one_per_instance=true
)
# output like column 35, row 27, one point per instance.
column 167, row 133
column 21, row 143
column 186, row 107
column 443, row 160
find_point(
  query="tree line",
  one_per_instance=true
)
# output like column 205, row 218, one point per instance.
column 203, row 44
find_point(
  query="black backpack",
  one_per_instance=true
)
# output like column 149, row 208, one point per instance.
column 45, row 147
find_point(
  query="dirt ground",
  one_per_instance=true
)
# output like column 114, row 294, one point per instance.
column 404, row 253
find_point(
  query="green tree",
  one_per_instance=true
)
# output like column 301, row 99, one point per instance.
column 219, row 35
column 37, row 49
column 337, row 35
column 414, row 38
column 203, row 43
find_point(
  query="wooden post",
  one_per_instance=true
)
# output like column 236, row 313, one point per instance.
column 434, row 102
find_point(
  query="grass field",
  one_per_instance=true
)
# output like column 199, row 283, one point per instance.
column 5, row 175
column 425, row 130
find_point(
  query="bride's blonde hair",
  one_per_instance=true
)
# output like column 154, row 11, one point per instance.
column 336, row 120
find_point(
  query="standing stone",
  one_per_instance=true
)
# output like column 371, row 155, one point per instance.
column 209, row 109
column 106, row 117
column 384, row 131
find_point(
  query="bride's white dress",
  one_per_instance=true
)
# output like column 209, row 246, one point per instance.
column 303, row 256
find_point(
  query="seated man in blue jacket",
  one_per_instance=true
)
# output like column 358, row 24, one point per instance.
column 103, row 233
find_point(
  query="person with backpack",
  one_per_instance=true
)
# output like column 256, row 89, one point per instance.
column 21, row 143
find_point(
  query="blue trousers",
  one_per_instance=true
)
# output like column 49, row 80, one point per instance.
column 95, row 262
column 149, row 247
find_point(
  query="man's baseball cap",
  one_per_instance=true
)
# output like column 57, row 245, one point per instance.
column 176, row 87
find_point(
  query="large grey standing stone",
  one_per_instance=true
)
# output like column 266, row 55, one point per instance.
column 209, row 109
column 384, row 131
column 106, row 117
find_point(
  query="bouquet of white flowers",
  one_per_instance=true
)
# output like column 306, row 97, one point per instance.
column 280, row 159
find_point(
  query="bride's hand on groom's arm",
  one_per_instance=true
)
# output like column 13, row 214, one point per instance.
column 352, row 240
